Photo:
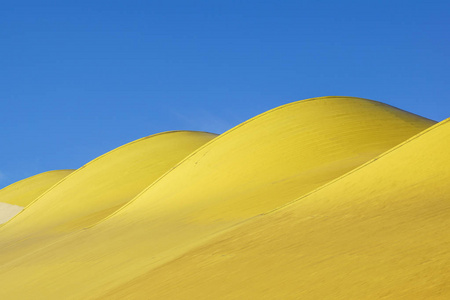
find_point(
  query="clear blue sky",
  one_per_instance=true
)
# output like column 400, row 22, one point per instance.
column 80, row 78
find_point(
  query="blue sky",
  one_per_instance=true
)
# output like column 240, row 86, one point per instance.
column 80, row 78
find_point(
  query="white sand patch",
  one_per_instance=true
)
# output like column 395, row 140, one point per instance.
column 7, row 211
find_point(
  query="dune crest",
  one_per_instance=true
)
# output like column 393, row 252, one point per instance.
column 320, row 198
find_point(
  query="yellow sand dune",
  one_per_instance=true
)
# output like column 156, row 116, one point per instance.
column 254, row 168
column 97, row 189
column 380, row 232
column 23, row 192
column 16, row 196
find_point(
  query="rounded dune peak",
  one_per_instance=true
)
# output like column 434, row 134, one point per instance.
column 317, row 138
column 256, row 167
column 106, row 183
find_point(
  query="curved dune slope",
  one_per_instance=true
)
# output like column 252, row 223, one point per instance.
column 381, row 232
column 19, row 194
column 256, row 167
column 97, row 189
column 23, row 192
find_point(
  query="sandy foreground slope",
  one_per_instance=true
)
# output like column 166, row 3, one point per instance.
column 16, row 196
column 380, row 232
column 257, row 167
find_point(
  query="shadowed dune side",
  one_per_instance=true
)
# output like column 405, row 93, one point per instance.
column 256, row 167
column 16, row 196
column 382, row 231
column 97, row 189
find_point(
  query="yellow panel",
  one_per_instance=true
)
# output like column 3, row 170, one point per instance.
column 258, row 166
column 381, row 232
column 23, row 192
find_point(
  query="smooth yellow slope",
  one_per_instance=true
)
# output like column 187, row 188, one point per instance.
column 97, row 189
column 16, row 196
column 381, row 232
column 256, row 167
column 23, row 192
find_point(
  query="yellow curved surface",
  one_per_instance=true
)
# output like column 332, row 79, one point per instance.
column 16, row 196
column 23, row 192
column 380, row 232
column 97, row 189
column 254, row 168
